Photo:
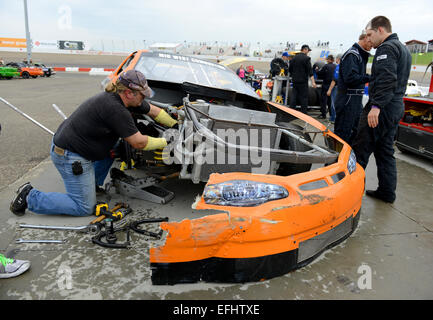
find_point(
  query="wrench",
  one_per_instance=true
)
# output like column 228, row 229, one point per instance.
column 39, row 241
column 93, row 228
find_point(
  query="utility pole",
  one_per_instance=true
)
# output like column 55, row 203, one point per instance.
column 28, row 40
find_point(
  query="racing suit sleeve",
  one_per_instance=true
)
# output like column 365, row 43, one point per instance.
column 351, row 73
column 385, row 71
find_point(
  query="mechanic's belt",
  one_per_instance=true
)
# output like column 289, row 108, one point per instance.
column 59, row 151
column 355, row 92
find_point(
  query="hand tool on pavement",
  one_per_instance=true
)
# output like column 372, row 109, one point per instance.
column 119, row 211
column 91, row 228
column 110, row 236
column 38, row 241
column 135, row 227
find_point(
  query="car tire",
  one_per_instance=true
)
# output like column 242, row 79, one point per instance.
column 25, row 75
column 289, row 143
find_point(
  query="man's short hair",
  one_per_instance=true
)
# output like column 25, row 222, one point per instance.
column 379, row 21
column 362, row 35
column 330, row 58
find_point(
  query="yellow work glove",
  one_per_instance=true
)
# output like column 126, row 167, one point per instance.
column 155, row 143
column 165, row 119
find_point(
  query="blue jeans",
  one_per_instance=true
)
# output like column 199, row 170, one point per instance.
column 80, row 199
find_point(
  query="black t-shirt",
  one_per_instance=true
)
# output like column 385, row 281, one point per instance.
column 93, row 129
column 327, row 74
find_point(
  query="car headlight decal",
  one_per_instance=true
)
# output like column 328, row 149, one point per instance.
column 351, row 164
column 243, row 193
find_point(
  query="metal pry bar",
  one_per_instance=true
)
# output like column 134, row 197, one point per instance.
column 26, row 116
column 59, row 111
column 39, row 241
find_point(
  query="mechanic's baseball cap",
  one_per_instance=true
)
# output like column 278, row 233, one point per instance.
column 136, row 80
column 305, row 46
column 286, row 54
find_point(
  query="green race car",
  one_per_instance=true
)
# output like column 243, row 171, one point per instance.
column 9, row 72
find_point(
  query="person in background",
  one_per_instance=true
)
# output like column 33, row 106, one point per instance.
column 327, row 74
column 332, row 91
column 280, row 64
column 241, row 72
column 301, row 71
column 352, row 78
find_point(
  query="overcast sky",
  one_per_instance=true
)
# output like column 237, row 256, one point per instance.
column 208, row 20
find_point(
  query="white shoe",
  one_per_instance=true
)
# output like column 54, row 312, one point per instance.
column 10, row 268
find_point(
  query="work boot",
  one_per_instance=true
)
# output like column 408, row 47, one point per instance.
column 378, row 195
column 19, row 204
column 11, row 268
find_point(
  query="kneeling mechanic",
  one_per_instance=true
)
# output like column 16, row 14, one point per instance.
column 81, row 146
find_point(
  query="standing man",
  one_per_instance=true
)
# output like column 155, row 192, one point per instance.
column 300, row 70
column 81, row 146
column 380, row 118
column 351, row 82
column 327, row 74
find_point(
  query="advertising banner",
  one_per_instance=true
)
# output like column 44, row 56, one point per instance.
column 12, row 43
column 44, row 45
column 70, row 45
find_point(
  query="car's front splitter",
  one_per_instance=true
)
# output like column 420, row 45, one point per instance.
column 239, row 270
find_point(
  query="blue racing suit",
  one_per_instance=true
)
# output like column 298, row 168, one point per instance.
column 351, row 81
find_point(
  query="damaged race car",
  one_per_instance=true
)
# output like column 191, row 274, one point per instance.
column 280, row 187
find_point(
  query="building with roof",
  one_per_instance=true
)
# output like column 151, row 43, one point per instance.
column 416, row 46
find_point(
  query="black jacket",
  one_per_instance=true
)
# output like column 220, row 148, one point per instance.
column 277, row 64
column 326, row 73
column 353, row 65
column 390, row 72
column 300, row 68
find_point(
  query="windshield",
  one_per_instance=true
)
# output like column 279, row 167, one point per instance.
column 180, row 69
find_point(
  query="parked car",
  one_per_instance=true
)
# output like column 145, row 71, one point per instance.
column 25, row 70
column 48, row 71
column 250, row 225
column 9, row 72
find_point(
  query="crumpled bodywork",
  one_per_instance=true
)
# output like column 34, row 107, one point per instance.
column 242, row 244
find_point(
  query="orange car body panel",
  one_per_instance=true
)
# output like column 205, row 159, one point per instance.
column 273, row 227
